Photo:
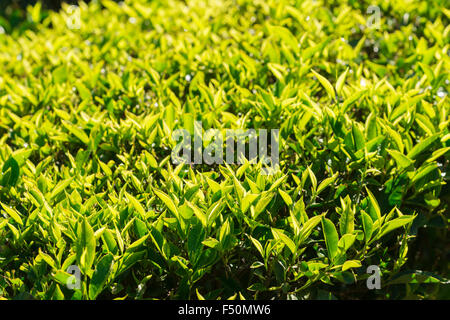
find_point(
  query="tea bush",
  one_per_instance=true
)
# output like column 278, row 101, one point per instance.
column 87, row 115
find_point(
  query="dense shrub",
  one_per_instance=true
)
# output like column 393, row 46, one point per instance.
column 86, row 118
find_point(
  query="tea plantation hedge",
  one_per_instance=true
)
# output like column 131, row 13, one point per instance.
column 86, row 122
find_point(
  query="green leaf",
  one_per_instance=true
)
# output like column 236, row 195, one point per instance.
column 60, row 187
column 308, row 227
column 279, row 235
column 240, row 191
column 422, row 146
column 247, row 201
column 313, row 179
column 211, row 242
column 59, row 74
column 10, row 172
column 277, row 71
column 358, row 137
column 346, row 222
column 352, row 99
column 135, row 245
column 257, row 287
column 85, row 246
column 258, row 246
column 76, row 131
column 351, row 264
column 285, row 34
column 401, row 160
column 194, row 244
column 136, row 204
column 325, row 183
column 109, row 240
column 331, row 238
column 50, row 261
column 287, row 199
column 346, row 242
column 198, row 213
column 438, row 153
column 168, row 202
column 340, row 82
column 225, row 235
column 326, row 84
column 374, row 203
column 13, row 213
column 367, row 226
column 128, row 260
column 100, row 276
column 265, row 199
column 394, row 224
column 84, row 92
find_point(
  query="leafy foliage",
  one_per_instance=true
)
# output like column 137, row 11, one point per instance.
column 86, row 117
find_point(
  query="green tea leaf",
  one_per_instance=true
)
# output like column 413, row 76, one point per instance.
column 326, row 84
column 100, row 276
column 331, row 237
column 86, row 244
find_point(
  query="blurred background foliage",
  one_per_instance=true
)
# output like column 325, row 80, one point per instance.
column 13, row 13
